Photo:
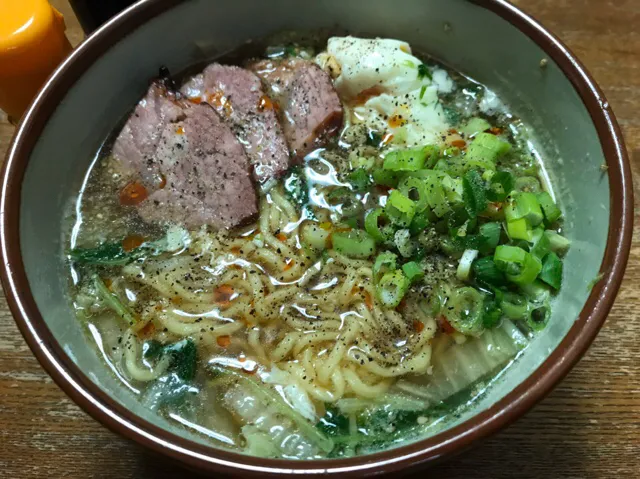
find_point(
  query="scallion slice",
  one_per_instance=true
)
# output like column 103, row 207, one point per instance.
column 391, row 288
column 372, row 225
column 552, row 271
column 486, row 272
column 412, row 271
column 551, row 211
column 465, row 311
column 464, row 266
column 416, row 190
column 519, row 266
column 354, row 243
column 411, row 159
column 384, row 263
column 484, row 150
column 400, row 209
column 557, row 243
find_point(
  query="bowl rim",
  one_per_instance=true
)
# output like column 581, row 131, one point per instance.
column 105, row 409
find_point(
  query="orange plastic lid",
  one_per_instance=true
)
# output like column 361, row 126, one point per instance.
column 32, row 44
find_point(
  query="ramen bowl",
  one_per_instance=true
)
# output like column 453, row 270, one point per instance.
column 490, row 40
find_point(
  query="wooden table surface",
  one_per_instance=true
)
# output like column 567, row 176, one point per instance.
column 589, row 427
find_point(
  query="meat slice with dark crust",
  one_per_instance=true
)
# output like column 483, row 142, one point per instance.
column 193, row 166
column 237, row 95
column 310, row 109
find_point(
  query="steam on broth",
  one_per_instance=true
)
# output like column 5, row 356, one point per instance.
column 315, row 256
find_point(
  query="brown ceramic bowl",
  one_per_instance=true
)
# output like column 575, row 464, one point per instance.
column 488, row 39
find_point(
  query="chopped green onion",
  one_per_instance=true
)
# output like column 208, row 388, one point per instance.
column 422, row 91
column 436, row 196
column 416, row 190
column 552, row 271
column 538, row 316
column 474, row 126
column 484, row 150
column 486, row 272
column 519, row 229
column 354, row 243
column 557, row 243
column 412, row 159
column 359, row 179
column 400, row 209
column 514, row 306
column 386, row 177
column 402, row 240
column 519, row 266
column 489, row 237
column 541, row 244
column 392, row 288
column 412, row 271
column 372, row 225
column 419, row 222
column 500, row 186
column 529, row 184
column 474, row 197
column 384, row 263
column 551, row 212
column 466, row 307
column 464, row 267
column 524, row 205
column 492, row 314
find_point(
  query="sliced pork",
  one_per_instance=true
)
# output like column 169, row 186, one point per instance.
column 237, row 95
column 192, row 168
column 310, row 109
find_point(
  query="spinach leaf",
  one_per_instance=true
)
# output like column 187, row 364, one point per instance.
column 183, row 356
column 295, row 185
column 108, row 254
column 333, row 423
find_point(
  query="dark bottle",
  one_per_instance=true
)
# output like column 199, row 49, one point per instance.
column 93, row 13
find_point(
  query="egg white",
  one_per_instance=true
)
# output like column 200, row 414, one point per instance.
column 379, row 82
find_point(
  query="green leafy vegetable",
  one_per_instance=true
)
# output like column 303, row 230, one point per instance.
column 112, row 301
column 501, row 185
column 359, row 179
column 333, row 423
column 183, row 356
column 423, row 72
column 474, row 194
column 295, row 185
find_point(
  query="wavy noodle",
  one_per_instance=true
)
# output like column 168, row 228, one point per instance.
column 317, row 320
column 132, row 357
